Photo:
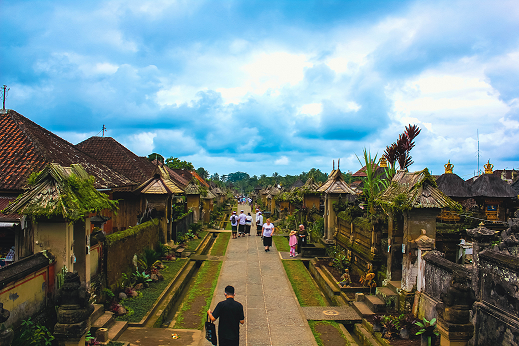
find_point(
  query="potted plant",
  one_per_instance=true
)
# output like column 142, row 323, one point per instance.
column 390, row 328
column 377, row 323
column 427, row 331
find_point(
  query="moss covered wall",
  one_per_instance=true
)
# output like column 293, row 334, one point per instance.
column 122, row 245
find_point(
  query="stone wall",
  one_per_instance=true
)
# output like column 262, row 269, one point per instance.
column 182, row 226
column 121, row 246
column 496, row 312
column 438, row 275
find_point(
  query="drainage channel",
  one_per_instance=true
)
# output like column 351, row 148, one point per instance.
column 169, row 308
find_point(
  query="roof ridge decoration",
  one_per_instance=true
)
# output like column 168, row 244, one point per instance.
column 159, row 184
column 61, row 191
column 448, row 167
column 192, row 189
column 336, row 184
column 488, row 167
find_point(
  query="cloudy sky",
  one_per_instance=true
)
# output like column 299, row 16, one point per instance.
column 271, row 86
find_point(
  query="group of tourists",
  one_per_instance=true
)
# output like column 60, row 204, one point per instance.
column 244, row 200
column 240, row 224
column 296, row 240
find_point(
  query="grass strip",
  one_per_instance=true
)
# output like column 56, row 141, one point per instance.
column 317, row 335
column 193, row 243
column 142, row 304
column 220, row 244
column 281, row 243
column 305, row 288
column 202, row 288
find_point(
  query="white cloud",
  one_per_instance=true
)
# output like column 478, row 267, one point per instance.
column 140, row 143
column 311, row 109
column 283, row 160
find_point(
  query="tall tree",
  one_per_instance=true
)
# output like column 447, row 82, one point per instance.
column 202, row 172
column 399, row 151
column 176, row 163
column 155, row 156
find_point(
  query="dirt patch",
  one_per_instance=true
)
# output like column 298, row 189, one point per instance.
column 329, row 335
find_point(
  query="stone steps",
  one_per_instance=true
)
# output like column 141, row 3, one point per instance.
column 362, row 309
column 375, row 304
column 389, row 297
column 101, row 319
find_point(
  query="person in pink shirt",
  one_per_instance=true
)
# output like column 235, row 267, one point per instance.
column 292, row 241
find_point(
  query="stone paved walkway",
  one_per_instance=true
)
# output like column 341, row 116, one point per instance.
column 272, row 313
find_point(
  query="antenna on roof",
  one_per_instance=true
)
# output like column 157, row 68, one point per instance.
column 333, row 167
column 104, row 129
column 6, row 90
column 338, row 163
column 477, row 132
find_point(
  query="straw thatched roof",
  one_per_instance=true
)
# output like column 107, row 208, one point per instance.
column 61, row 191
column 192, row 189
column 492, row 186
column 159, row 184
column 415, row 190
column 336, row 184
column 453, row 186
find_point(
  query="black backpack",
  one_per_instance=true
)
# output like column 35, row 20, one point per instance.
column 233, row 219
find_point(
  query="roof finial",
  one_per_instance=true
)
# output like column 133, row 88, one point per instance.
column 333, row 167
column 338, row 163
column 382, row 162
column 448, row 167
column 488, row 167
column 5, row 89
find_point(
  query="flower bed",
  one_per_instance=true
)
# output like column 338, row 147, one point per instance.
column 139, row 306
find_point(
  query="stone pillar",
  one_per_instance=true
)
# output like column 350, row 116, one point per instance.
column 482, row 239
column 454, row 312
column 330, row 218
column 73, row 313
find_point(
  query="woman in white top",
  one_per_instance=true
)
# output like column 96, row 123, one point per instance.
column 259, row 223
column 268, row 231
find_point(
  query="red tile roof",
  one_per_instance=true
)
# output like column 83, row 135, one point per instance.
column 116, row 156
column 26, row 147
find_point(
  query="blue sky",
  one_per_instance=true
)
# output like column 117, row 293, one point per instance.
column 271, row 86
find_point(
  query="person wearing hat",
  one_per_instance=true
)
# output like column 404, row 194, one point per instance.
column 241, row 224
column 259, row 223
column 234, row 224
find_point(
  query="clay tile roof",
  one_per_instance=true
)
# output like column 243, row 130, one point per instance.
column 113, row 154
column 26, row 147
column 199, row 178
column 362, row 172
column 4, row 202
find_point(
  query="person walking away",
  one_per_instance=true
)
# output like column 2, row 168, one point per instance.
column 234, row 224
column 292, row 241
column 231, row 315
column 248, row 224
column 259, row 223
column 268, row 230
column 301, row 235
column 241, row 224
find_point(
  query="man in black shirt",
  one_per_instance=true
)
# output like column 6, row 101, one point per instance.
column 231, row 315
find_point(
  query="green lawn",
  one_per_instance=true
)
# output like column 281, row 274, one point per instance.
column 323, row 342
column 305, row 288
column 142, row 304
column 220, row 244
column 193, row 311
column 193, row 243
column 281, row 243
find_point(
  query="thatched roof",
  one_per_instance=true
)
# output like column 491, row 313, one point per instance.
column 453, row 186
column 159, row 184
column 336, row 184
column 310, row 186
column 298, row 183
column 61, row 191
column 492, row 186
column 415, row 190
column 192, row 189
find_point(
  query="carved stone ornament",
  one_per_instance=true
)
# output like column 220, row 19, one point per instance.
column 74, row 310
column 424, row 242
column 481, row 232
column 457, row 301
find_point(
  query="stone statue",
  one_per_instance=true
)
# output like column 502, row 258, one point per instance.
column 345, row 279
column 74, row 310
